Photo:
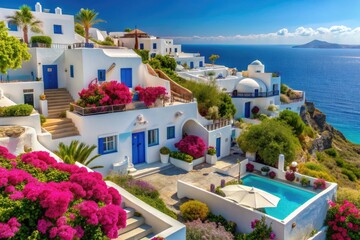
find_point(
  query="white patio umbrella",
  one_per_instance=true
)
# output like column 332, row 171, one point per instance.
column 250, row 196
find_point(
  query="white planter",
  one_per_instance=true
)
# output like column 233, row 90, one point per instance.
column 198, row 161
column 211, row 159
column 164, row 158
column 43, row 107
column 264, row 173
column 185, row 165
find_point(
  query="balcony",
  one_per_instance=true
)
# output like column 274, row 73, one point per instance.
column 236, row 94
column 218, row 124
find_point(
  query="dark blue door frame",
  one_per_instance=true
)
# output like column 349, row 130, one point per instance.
column 218, row 146
column 247, row 109
column 138, row 148
column 50, row 76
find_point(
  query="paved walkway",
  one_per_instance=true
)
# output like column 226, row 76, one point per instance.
column 165, row 182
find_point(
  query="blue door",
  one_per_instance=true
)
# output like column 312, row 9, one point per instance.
column 201, row 64
column 247, row 109
column 191, row 65
column 50, row 76
column 218, row 146
column 256, row 92
column 126, row 76
column 138, row 147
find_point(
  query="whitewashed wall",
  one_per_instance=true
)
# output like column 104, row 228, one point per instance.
column 15, row 91
column 261, row 103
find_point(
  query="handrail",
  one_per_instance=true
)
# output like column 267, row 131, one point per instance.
column 218, row 124
column 236, row 94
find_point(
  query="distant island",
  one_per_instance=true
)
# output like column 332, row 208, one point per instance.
column 324, row 44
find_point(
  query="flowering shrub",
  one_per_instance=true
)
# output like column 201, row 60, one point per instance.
column 211, row 150
column 207, row 231
column 55, row 200
column 272, row 174
column 290, row 176
column 158, row 238
column 192, row 145
column 249, row 167
column 193, row 209
column 182, row 156
column 255, row 110
column 149, row 94
column 261, row 230
column 105, row 94
column 343, row 221
column 319, row 184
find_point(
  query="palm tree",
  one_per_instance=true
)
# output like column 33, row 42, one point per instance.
column 87, row 18
column 25, row 20
column 77, row 152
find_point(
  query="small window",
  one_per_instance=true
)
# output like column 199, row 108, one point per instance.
column 101, row 75
column 12, row 26
column 154, row 46
column 175, row 50
column 141, row 46
column 171, row 132
column 107, row 145
column 57, row 29
column 153, row 137
column 165, row 49
column 71, row 71
column 170, row 50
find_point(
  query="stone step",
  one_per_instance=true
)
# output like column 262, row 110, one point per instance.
column 59, row 107
column 59, row 100
column 54, row 115
column 136, row 233
column 55, row 90
column 60, row 125
column 132, row 223
column 65, row 134
column 56, row 121
column 129, row 212
column 149, row 236
column 64, row 98
column 63, row 129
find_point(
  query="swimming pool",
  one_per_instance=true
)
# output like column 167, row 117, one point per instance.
column 290, row 197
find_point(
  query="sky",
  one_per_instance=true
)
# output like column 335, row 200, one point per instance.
column 223, row 21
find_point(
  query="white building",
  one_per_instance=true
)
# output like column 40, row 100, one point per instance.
column 248, row 89
column 58, row 26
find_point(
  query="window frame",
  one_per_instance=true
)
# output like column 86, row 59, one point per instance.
column 171, row 130
column 153, row 142
column 11, row 26
column 104, row 141
column 57, row 29
column 101, row 75
column 72, row 71
column 154, row 46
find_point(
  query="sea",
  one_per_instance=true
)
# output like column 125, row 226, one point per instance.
column 330, row 77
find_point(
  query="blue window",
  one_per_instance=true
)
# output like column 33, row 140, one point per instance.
column 126, row 76
column 107, row 145
column 141, row 46
column 153, row 137
column 71, row 71
column 12, row 26
column 154, row 46
column 57, row 29
column 101, row 75
column 171, row 132
column 175, row 49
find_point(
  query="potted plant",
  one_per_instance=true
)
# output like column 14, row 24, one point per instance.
column 211, row 155
column 304, row 182
column 42, row 97
column 164, row 154
column 319, row 184
column 249, row 167
column 265, row 170
column 272, row 174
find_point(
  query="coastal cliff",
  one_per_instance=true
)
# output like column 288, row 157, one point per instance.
column 323, row 44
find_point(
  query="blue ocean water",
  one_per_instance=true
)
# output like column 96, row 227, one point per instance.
column 290, row 197
column 330, row 77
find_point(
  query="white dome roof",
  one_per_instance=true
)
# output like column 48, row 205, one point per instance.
column 256, row 62
column 250, row 84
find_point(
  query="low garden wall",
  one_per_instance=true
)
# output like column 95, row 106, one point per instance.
column 186, row 165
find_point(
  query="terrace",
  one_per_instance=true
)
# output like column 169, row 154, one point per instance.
column 236, row 94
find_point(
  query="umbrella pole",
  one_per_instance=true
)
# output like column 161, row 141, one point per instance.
column 238, row 161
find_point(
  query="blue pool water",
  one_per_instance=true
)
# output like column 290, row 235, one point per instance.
column 290, row 197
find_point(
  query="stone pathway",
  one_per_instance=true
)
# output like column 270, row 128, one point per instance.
column 165, row 182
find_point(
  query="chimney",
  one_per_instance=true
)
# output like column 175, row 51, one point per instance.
column 38, row 7
column 58, row 11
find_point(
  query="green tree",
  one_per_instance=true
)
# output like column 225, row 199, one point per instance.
column 293, row 120
column 269, row 139
column 226, row 107
column 87, row 18
column 12, row 51
column 25, row 20
column 79, row 29
column 144, row 54
column 77, row 152
column 213, row 58
column 166, row 62
column 127, row 30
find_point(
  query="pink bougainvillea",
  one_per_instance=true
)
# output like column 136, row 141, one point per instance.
column 105, row 94
column 192, row 145
column 61, row 199
column 149, row 94
column 319, row 184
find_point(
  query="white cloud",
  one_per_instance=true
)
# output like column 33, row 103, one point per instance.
column 336, row 33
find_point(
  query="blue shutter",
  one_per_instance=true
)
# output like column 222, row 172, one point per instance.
column 57, row 29
column 12, row 26
column 141, row 46
column 101, row 145
column 154, row 46
column 101, row 75
column 72, row 71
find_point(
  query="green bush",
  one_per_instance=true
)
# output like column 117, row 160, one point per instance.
column 197, row 230
column 315, row 170
column 193, row 209
column 308, row 131
column 284, row 88
column 331, row 152
column 42, row 119
column 16, row 110
column 352, row 195
column 164, row 150
column 144, row 54
column 229, row 226
column 293, row 120
column 41, row 39
column 182, row 156
column 352, row 177
column 340, row 162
